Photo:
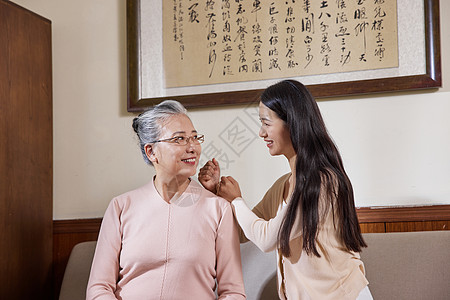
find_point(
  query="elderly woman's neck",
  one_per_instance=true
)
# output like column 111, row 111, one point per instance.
column 169, row 187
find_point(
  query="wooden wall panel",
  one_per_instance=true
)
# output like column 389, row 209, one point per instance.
column 372, row 227
column 26, row 154
column 403, row 213
column 417, row 226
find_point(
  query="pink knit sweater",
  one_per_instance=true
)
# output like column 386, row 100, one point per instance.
column 150, row 249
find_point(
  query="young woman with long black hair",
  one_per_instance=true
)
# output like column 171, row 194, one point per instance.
column 308, row 215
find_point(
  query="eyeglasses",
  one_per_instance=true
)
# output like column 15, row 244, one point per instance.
column 184, row 140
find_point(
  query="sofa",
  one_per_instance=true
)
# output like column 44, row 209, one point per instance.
column 407, row 265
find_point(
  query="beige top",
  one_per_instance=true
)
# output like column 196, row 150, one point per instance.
column 337, row 274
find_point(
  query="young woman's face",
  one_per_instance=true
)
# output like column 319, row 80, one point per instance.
column 171, row 159
column 275, row 133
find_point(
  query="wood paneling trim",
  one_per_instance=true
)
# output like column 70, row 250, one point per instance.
column 76, row 226
column 372, row 227
column 417, row 226
column 403, row 214
column 365, row 215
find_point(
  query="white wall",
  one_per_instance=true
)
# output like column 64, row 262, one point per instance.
column 395, row 146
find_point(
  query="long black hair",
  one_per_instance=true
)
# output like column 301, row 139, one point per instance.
column 318, row 165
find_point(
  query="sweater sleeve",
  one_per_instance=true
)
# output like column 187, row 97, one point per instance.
column 267, row 208
column 263, row 233
column 229, row 269
column 105, row 266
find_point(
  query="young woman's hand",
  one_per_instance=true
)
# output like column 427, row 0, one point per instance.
column 229, row 188
column 209, row 175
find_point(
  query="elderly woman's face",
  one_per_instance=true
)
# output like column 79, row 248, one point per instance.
column 172, row 159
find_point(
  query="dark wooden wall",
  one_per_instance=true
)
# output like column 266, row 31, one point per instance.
column 67, row 233
column 26, row 154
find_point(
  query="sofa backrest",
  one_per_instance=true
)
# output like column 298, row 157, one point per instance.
column 77, row 271
column 259, row 271
column 408, row 265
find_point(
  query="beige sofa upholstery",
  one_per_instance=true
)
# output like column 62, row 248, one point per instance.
column 77, row 271
column 409, row 265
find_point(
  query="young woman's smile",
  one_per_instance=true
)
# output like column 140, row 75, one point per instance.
column 275, row 133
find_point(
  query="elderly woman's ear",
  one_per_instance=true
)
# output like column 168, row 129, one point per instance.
column 149, row 152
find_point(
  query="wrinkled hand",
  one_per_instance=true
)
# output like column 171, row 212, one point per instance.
column 229, row 188
column 209, row 175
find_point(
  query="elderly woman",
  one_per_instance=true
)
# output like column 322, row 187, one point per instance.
column 170, row 239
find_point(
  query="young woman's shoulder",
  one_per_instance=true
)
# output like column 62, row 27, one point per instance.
column 282, row 180
column 268, row 206
column 278, row 185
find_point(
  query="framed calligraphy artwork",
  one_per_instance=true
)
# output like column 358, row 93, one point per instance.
column 222, row 52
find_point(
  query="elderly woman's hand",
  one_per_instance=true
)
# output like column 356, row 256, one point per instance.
column 209, row 175
column 229, row 188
